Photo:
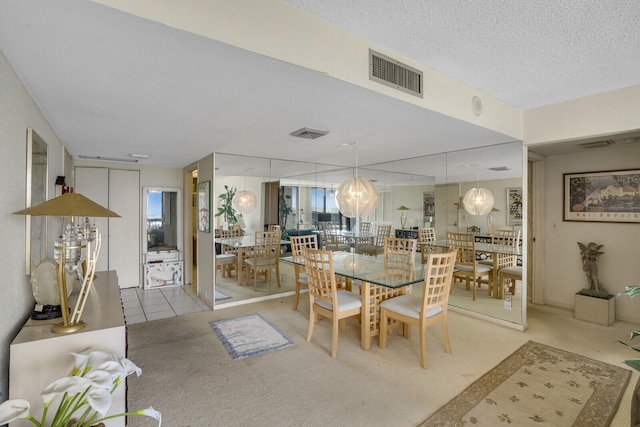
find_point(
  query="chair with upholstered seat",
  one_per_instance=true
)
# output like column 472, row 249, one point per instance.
column 298, row 245
column 334, row 240
column 508, row 239
column 467, row 267
column 426, row 241
column 264, row 257
column 324, row 297
column 508, row 277
column 422, row 311
column 227, row 259
column 382, row 232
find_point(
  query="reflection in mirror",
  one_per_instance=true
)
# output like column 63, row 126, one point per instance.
column 429, row 187
column 162, row 224
column 37, row 172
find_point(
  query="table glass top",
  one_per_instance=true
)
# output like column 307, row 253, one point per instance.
column 370, row 269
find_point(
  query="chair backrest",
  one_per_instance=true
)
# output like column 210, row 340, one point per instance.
column 465, row 246
column 267, row 245
column 273, row 227
column 399, row 251
column 300, row 243
column 333, row 236
column 506, row 237
column 234, row 231
column 509, row 238
column 366, row 227
column 473, row 229
column 382, row 233
column 437, row 281
column 426, row 236
column 321, row 277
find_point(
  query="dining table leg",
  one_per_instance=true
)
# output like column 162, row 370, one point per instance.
column 372, row 296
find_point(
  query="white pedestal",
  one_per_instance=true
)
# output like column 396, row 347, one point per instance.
column 595, row 310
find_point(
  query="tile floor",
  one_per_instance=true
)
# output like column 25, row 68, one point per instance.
column 143, row 306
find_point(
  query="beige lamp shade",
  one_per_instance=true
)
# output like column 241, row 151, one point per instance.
column 402, row 208
column 69, row 204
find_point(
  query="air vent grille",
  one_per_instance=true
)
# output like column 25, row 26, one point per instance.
column 309, row 133
column 395, row 74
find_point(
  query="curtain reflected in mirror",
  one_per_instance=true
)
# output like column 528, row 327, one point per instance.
column 36, row 193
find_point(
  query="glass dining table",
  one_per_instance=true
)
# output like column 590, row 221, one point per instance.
column 378, row 281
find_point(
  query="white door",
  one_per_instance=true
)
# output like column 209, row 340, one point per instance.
column 124, row 232
column 94, row 184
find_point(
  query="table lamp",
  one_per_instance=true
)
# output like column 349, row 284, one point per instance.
column 403, row 217
column 68, row 250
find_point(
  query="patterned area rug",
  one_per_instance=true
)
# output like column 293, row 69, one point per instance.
column 539, row 385
column 249, row 336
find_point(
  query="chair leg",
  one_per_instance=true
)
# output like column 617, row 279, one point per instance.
column 278, row 273
column 312, row 321
column 445, row 335
column 334, row 340
column 382, row 338
column 423, row 346
column 296, row 297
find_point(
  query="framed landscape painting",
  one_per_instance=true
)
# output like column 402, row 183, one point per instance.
column 611, row 196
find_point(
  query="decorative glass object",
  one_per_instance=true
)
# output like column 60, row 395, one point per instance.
column 478, row 201
column 245, row 201
column 356, row 197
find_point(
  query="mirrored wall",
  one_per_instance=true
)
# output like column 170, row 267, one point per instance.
column 416, row 192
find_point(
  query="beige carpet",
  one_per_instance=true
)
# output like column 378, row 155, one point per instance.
column 189, row 376
column 539, row 385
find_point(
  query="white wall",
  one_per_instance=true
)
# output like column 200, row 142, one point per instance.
column 619, row 266
column 18, row 112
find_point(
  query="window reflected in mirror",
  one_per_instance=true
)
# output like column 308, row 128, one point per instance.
column 162, row 220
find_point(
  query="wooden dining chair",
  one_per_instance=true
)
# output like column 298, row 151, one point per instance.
column 273, row 227
column 298, row 245
column 382, row 232
column 400, row 251
column 324, row 297
column 508, row 239
column 467, row 267
column 227, row 259
column 422, row 311
column 264, row 257
column 334, row 240
column 426, row 241
column 508, row 277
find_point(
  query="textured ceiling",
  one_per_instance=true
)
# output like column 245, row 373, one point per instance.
column 111, row 83
column 527, row 53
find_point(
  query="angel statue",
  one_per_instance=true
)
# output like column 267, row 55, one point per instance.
column 590, row 254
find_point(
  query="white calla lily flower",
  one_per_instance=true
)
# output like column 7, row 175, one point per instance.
column 14, row 409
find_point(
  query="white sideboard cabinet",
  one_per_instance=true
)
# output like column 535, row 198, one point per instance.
column 38, row 356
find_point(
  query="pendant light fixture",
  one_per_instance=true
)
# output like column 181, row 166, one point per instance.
column 356, row 197
column 245, row 201
column 478, row 200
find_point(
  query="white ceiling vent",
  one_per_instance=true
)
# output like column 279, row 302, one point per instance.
column 500, row 168
column 309, row 133
column 597, row 144
column 395, row 74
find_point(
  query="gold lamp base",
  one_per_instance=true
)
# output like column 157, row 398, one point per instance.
column 61, row 328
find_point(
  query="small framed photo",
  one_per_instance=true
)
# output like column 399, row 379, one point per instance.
column 204, row 207
column 609, row 196
column 514, row 206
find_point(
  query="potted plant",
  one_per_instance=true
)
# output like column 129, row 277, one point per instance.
column 226, row 207
column 285, row 209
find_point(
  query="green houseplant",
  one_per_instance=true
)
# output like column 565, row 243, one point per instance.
column 632, row 291
column 226, row 206
column 285, row 209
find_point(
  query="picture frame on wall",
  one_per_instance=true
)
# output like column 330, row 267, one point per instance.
column 204, row 207
column 605, row 196
column 429, row 203
column 514, row 206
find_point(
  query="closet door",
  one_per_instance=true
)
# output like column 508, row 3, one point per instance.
column 94, row 184
column 124, row 232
